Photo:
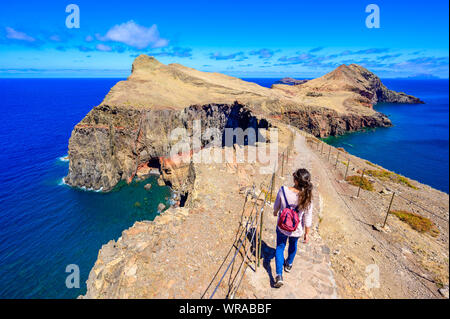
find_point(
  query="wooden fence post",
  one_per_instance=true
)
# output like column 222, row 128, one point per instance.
column 329, row 153
column 389, row 209
column 337, row 159
column 346, row 170
column 272, row 186
column 321, row 150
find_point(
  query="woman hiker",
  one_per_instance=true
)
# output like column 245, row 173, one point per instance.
column 293, row 207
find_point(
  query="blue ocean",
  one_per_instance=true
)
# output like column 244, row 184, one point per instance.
column 417, row 145
column 46, row 226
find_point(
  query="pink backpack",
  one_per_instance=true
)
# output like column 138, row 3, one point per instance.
column 289, row 218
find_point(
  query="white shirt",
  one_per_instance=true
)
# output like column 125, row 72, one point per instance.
column 306, row 215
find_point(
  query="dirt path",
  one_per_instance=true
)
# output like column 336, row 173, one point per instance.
column 406, row 262
column 347, row 257
column 311, row 275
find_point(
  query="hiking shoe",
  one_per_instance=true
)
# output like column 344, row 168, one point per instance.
column 278, row 281
column 287, row 268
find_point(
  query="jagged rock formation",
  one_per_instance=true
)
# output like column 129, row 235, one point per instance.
column 290, row 81
column 111, row 143
column 356, row 79
column 131, row 127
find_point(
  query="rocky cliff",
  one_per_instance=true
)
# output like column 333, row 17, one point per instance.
column 290, row 81
column 111, row 143
column 357, row 79
column 132, row 126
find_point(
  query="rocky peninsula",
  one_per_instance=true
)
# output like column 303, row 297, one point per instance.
column 174, row 257
column 130, row 127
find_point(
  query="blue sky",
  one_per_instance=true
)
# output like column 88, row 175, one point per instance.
column 262, row 38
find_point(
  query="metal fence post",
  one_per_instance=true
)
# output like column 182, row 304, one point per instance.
column 389, row 209
column 346, row 170
column 256, row 238
column 260, row 234
column 360, row 182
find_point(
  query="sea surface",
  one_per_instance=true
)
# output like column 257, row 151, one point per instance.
column 418, row 143
column 46, row 225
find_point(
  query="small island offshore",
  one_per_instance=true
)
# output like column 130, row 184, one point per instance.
column 130, row 136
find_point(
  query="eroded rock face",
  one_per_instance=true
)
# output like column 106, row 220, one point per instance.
column 290, row 81
column 324, row 123
column 357, row 79
column 111, row 143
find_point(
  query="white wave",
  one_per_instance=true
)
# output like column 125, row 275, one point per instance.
column 64, row 158
column 83, row 188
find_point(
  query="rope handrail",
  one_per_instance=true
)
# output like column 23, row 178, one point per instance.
column 254, row 218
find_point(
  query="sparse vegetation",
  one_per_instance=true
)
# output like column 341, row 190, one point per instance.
column 417, row 222
column 311, row 139
column 371, row 164
column 314, row 94
column 358, row 181
column 269, row 197
column 386, row 175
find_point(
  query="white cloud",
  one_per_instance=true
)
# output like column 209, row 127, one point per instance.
column 135, row 35
column 17, row 35
column 89, row 38
column 103, row 47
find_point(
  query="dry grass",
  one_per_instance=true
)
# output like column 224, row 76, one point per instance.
column 417, row 222
column 269, row 197
column 310, row 139
column 359, row 181
column 386, row 175
column 371, row 164
column 313, row 94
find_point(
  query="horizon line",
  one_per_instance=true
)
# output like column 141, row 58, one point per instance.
column 240, row 77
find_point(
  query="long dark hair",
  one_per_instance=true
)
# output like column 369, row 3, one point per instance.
column 303, row 184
